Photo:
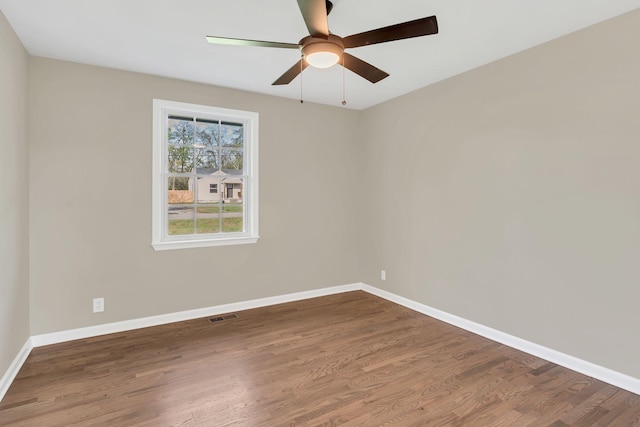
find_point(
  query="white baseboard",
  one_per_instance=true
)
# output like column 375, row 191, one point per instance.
column 587, row 368
column 128, row 325
column 14, row 368
column 601, row 373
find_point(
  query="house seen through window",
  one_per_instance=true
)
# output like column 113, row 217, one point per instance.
column 205, row 161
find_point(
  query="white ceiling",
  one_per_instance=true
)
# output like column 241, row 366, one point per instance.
column 167, row 38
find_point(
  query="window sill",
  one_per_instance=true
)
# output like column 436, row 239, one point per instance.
column 204, row 243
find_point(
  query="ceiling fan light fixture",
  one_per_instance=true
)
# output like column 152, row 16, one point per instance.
column 322, row 59
column 322, row 54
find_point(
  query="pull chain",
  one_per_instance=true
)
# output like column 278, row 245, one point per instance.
column 344, row 97
column 301, row 69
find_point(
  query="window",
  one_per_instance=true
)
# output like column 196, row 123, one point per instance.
column 196, row 151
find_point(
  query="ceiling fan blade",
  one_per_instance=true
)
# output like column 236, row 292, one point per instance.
column 406, row 30
column 291, row 73
column 363, row 69
column 245, row 42
column 314, row 13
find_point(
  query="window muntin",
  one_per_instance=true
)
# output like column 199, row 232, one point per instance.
column 205, row 176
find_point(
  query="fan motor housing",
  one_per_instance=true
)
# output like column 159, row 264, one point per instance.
column 332, row 44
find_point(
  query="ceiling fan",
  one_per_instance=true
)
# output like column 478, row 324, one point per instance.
column 321, row 49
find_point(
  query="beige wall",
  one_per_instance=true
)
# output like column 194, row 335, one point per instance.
column 515, row 194
column 90, row 193
column 14, row 207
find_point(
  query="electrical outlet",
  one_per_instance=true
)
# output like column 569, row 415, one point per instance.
column 383, row 275
column 98, row 305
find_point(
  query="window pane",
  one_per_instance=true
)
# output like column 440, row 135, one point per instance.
column 180, row 158
column 180, row 138
column 209, row 188
column 181, row 131
column 179, row 190
column 233, row 224
column 232, row 160
column 210, row 208
column 180, row 219
column 208, row 219
column 179, row 206
column 207, row 160
column 207, row 133
column 233, row 207
column 232, row 190
column 231, row 134
column 206, row 147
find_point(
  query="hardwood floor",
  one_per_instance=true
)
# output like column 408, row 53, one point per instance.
column 347, row 359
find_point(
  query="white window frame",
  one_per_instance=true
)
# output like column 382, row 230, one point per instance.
column 160, row 240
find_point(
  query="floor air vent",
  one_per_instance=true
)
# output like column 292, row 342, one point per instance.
column 222, row 318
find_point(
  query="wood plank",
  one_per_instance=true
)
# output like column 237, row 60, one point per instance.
column 347, row 359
